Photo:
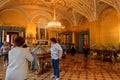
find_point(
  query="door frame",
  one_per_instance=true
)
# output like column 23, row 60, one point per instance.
column 10, row 28
column 10, row 33
column 81, row 39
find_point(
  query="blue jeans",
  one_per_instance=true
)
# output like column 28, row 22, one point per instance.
column 55, row 65
column 35, row 62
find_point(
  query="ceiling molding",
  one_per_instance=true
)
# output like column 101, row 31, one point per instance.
column 2, row 2
column 40, row 13
column 18, row 11
column 90, row 9
column 111, row 3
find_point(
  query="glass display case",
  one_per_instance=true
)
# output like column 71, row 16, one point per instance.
column 44, row 59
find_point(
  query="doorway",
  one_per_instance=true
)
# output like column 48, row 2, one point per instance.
column 84, row 37
column 66, row 37
column 10, row 37
column 19, row 31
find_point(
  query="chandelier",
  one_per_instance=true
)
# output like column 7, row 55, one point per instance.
column 55, row 24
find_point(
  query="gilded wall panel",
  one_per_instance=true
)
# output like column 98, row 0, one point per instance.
column 109, row 30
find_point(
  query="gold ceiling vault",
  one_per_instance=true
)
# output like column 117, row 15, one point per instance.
column 72, row 11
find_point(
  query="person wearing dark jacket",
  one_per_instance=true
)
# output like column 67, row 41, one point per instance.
column 73, row 51
column 86, row 50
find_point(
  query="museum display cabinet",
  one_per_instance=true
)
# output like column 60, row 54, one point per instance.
column 44, row 59
column 106, row 53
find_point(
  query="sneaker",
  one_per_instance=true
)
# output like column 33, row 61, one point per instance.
column 57, row 78
column 53, row 76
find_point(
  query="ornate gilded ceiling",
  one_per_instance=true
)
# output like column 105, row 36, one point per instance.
column 70, row 12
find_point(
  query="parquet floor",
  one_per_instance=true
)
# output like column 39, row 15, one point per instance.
column 78, row 69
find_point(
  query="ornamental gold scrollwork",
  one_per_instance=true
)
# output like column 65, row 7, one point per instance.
column 59, row 3
column 3, row 2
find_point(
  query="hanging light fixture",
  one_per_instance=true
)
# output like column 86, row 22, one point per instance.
column 54, row 23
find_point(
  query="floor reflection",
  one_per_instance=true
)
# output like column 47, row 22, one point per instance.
column 78, row 69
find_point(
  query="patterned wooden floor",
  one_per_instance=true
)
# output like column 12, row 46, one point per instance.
column 79, row 69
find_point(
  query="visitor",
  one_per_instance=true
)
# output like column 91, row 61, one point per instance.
column 56, row 54
column 5, row 49
column 85, row 50
column 34, row 52
column 18, row 61
column 64, row 50
column 73, row 51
